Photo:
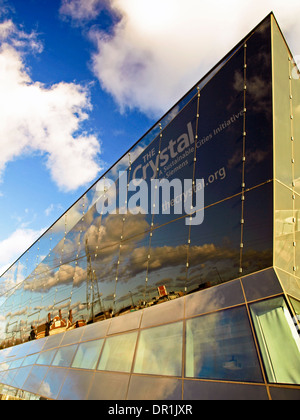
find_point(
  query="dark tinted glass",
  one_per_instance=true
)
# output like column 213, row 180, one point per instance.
column 107, row 242
column 257, row 251
column 259, row 130
column 167, row 260
column 220, row 132
column 214, row 250
column 130, row 274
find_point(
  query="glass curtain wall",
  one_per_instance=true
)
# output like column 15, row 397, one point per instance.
column 92, row 265
column 231, row 343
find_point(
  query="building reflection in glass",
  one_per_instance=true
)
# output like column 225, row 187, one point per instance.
column 90, row 267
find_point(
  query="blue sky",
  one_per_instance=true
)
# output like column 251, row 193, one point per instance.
column 82, row 80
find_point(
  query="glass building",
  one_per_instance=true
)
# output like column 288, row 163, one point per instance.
column 150, row 305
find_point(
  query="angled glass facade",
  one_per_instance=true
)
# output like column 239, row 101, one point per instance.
column 143, row 305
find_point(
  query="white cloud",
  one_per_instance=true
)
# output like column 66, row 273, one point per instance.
column 11, row 248
column 82, row 10
column 45, row 119
column 161, row 48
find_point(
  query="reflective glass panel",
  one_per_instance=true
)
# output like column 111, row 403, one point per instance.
column 274, row 326
column 7, row 379
column 212, row 299
column 22, row 350
column 16, row 363
column 214, row 250
column 4, row 366
column 257, row 248
column 36, row 345
column 290, row 283
column 104, row 245
column 20, row 377
column 168, row 256
column 121, row 324
column 35, row 378
column 221, row 346
column 109, row 386
column 262, row 284
column 52, row 383
column 81, row 310
column 76, row 385
column 87, row 355
column 131, row 273
column 72, row 336
column 221, row 123
column 258, row 102
column 168, row 312
column 117, row 354
column 154, row 388
column 138, row 200
column 53, row 341
column 218, row 391
column 159, row 350
column 93, row 331
column 3, row 377
column 171, row 161
column 30, row 360
column 220, row 129
column 64, row 356
column 46, row 357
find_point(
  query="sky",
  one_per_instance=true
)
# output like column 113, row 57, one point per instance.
column 82, row 80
